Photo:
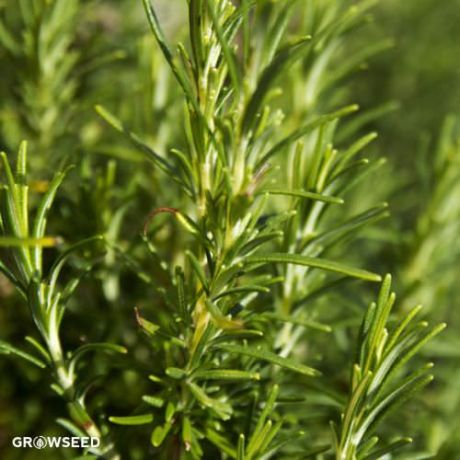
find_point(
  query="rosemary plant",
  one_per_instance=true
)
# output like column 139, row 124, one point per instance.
column 52, row 52
column 429, row 250
column 373, row 390
column 221, row 316
column 43, row 61
column 236, row 206
column 45, row 297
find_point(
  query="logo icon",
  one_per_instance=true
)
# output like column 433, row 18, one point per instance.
column 39, row 442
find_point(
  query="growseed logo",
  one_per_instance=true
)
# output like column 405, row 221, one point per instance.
column 39, row 442
column 54, row 442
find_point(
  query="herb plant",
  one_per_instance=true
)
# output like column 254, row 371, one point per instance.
column 219, row 234
column 46, row 299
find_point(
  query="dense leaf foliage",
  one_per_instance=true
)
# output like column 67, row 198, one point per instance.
column 194, row 230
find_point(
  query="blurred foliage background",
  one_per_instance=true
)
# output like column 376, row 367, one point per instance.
column 56, row 64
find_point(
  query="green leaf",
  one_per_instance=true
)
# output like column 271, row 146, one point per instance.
column 221, row 442
column 269, row 436
column 261, row 420
column 62, row 259
column 154, row 401
column 21, row 186
column 257, row 440
column 313, row 262
column 303, row 194
column 8, row 40
column 7, row 349
column 308, row 127
column 120, row 127
column 310, row 453
column 220, row 320
column 353, row 150
column 159, row 434
column 44, row 242
column 11, row 183
column 351, row 226
column 226, row 374
column 263, row 238
column 387, row 450
column 272, row 358
column 274, row 70
column 407, row 320
column 198, row 270
column 367, row 445
column 175, row 373
column 242, row 289
column 278, row 29
column 356, row 398
column 391, row 402
column 241, row 448
column 143, row 419
column 170, row 411
column 187, row 435
column 186, row 166
column 36, row 304
column 378, row 320
column 79, row 414
column 148, row 327
column 39, row 347
column 103, row 347
column 230, row 335
column 155, row 378
column 230, row 59
column 46, row 202
column 221, row 409
column 71, row 427
column 406, row 353
column 160, row 37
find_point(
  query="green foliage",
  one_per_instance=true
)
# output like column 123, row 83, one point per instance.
column 374, row 392
column 196, row 279
column 37, row 39
column 42, row 289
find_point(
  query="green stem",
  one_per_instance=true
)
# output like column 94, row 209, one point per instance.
column 66, row 380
